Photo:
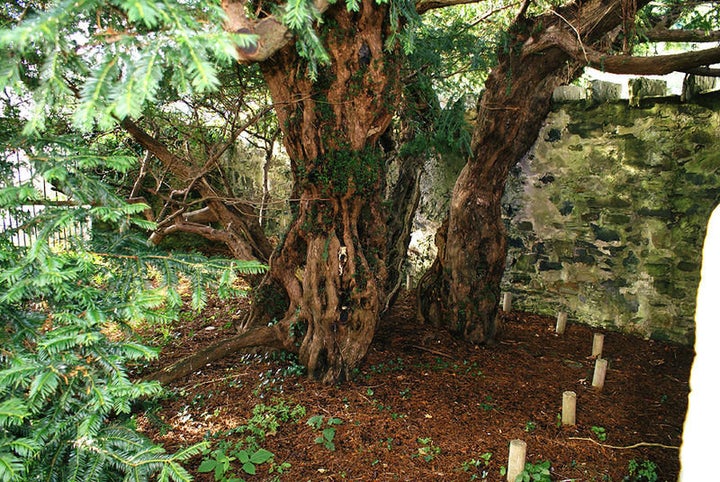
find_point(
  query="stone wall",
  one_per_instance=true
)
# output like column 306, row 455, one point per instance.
column 607, row 214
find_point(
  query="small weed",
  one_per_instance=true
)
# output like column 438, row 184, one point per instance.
column 292, row 367
column 327, row 436
column 645, row 471
column 486, row 405
column 479, row 464
column 530, row 426
column 396, row 365
column 405, row 393
column 427, row 450
column 279, row 468
column 599, row 432
column 472, row 368
column 441, row 364
column 219, row 462
column 539, row 472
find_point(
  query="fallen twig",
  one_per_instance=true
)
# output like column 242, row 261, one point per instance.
column 633, row 446
column 434, row 352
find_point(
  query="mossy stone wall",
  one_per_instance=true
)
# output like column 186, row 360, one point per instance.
column 607, row 214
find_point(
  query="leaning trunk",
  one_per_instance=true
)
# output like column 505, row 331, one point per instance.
column 327, row 278
column 462, row 289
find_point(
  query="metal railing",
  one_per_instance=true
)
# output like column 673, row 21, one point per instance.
column 16, row 224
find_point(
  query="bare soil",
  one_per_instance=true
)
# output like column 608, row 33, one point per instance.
column 428, row 407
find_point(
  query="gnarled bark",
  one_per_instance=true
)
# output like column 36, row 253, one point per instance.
column 241, row 232
column 328, row 275
column 462, row 289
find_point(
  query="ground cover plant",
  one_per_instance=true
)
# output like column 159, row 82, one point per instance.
column 453, row 407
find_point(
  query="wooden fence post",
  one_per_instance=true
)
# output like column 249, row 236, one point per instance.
column 561, row 322
column 568, row 408
column 507, row 302
column 600, row 371
column 516, row 459
column 597, row 346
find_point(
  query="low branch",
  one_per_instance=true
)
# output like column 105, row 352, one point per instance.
column 622, row 64
column 661, row 34
column 157, row 148
column 705, row 71
column 274, row 337
column 423, row 6
column 201, row 216
column 207, row 232
column 655, row 65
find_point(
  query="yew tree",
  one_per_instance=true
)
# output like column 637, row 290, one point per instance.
column 539, row 52
column 337, row 74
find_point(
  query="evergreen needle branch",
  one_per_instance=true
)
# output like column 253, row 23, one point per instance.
column 159, row 257
column 626, row 447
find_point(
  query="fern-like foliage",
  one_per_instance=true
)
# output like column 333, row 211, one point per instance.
column 68, row 305
column 107, row 59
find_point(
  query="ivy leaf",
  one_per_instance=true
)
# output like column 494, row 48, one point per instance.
column 207, row 465
column 261, row 456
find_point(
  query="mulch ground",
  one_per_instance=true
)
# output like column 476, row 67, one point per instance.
column 428, row 407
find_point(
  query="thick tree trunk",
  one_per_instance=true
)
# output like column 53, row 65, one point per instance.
column 462, row 289
column 328, row 276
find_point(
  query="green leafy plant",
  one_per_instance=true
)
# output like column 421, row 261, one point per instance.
column 427, row 450
column 475, row 465
column 530, row 426
column 219, row 462
column 645, row 471
column 327, row 436
column 69, row 304
column 264, row 422
column 599, row 432
column 538, row 472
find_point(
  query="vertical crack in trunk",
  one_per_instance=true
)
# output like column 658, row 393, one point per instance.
column 328, row 275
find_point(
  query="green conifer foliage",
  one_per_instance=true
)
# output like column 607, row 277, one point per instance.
column 68, row 306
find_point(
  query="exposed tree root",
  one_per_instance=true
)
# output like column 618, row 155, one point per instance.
column 275, row 336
